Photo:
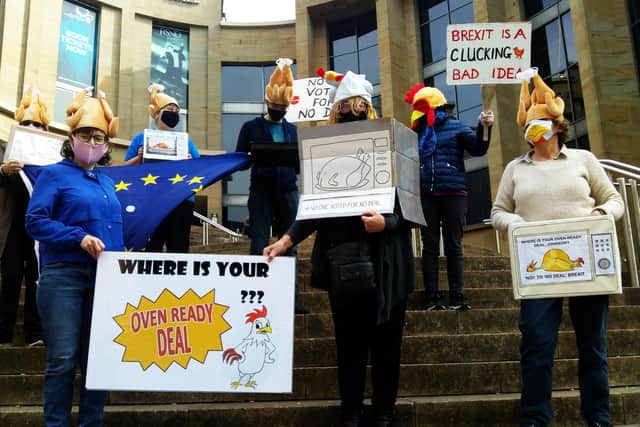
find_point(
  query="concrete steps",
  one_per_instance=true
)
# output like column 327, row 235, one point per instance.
column 458, row 368
column 496, row 410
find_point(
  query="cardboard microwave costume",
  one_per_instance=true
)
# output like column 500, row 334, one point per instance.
column 364, row 165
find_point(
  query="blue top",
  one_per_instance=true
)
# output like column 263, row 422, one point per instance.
column 138, row 141
column 442, row 170
column 276, row 130
column 268, row 178
column 69, row 202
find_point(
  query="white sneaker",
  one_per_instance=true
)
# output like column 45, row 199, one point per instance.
column 38, row 343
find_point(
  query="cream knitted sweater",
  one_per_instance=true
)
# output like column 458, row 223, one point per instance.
column 570, row 186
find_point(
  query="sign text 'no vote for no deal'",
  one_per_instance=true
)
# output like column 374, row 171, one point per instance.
column 488, row 53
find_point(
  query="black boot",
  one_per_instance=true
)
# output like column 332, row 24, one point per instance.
column 384, row 419
column 351, row 418
column 434, row 302
column 457, row 302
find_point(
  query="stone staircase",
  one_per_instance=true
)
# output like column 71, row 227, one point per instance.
column 458, row 368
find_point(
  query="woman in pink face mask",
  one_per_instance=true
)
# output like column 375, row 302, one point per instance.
column 75, row 216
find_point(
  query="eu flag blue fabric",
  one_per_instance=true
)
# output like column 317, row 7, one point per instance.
column 148, row 192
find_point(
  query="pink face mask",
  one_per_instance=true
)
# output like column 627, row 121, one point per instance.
column 86, row 152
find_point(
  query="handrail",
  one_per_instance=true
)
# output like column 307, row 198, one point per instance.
column 626, row 179
column 206, row 222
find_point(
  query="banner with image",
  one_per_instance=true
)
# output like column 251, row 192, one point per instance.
column 170, row 61
column 489, row 53
column 192, row 322
column 77, row 49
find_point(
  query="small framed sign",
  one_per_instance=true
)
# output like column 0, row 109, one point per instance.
column 165, row 145
column 563, row 258
column 33, row 146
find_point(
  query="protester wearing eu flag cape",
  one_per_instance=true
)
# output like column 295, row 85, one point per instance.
column 75, row 215
column 175, row 229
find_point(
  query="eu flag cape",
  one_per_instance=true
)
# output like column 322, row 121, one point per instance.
column 150, row 191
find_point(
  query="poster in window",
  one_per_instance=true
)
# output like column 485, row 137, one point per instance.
column 76, row 53
column 170, row 61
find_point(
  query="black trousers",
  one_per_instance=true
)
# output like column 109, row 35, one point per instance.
column 357, row 338
column 19, row 263
column 448, row 212
column 174, row 231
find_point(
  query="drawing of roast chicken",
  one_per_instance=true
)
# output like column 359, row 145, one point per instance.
column 254, row 351
column 344, row 173
column 556, row 260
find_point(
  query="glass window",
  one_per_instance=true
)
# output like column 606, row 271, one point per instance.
column 569, row 39
column 354, row 46
column 434, row 40
column 531, row 7
column 464, row 15
column 76, row 54
column 242, row 84
column 634, row 18
column 432, row 9
column 454, row 4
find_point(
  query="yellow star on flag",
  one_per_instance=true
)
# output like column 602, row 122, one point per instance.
column 199, row 188
column 149, row 179
column 196, row 180
column 177, row 178
column 122, row 186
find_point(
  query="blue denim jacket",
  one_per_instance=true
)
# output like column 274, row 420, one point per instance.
column 69, row 202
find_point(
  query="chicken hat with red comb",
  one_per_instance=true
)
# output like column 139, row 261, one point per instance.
column 424, row 100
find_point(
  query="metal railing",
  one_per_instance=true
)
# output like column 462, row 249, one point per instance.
column 626, row 180
column 206, row 222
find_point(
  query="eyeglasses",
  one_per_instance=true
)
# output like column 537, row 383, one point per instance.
column 98, row 138
column 36, row 125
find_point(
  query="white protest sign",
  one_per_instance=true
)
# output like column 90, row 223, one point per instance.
column 33, row 147
column 192, row 322
column 565, row 257
column 562, row 257
column 488, row 53
column 165, row 145
column 311, row 100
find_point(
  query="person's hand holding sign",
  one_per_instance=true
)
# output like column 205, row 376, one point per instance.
column 93, row 245
column 373, row 221
column 11, row 167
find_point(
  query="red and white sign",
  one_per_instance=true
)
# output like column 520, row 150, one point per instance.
column 489, row 53
column 311, row 100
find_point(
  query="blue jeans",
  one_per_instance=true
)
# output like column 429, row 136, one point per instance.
column 539, row 323
column 65, row 302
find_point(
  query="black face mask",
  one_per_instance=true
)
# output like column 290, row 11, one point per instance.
column 350, row 117
column 276, row 115
column 170, row 118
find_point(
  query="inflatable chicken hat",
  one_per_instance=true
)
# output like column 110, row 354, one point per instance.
column 280, row 87
column 159, row 99
column 542, row 103
column 347, row 85
column 32, row 109
column 86, row 112
column 424, row 100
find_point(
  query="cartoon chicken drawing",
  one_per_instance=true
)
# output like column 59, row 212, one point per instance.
column 254, row 351
column 344, row 173
column 556, row 260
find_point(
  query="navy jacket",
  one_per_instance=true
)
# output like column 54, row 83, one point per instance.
column 268, row 178
column 443, row 170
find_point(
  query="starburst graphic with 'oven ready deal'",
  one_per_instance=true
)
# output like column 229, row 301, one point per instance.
column 172, row 329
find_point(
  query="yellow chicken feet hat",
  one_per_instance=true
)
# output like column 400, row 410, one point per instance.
column 541, row 103
column 159, row 99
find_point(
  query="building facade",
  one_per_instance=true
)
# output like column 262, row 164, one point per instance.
column 586, row 50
